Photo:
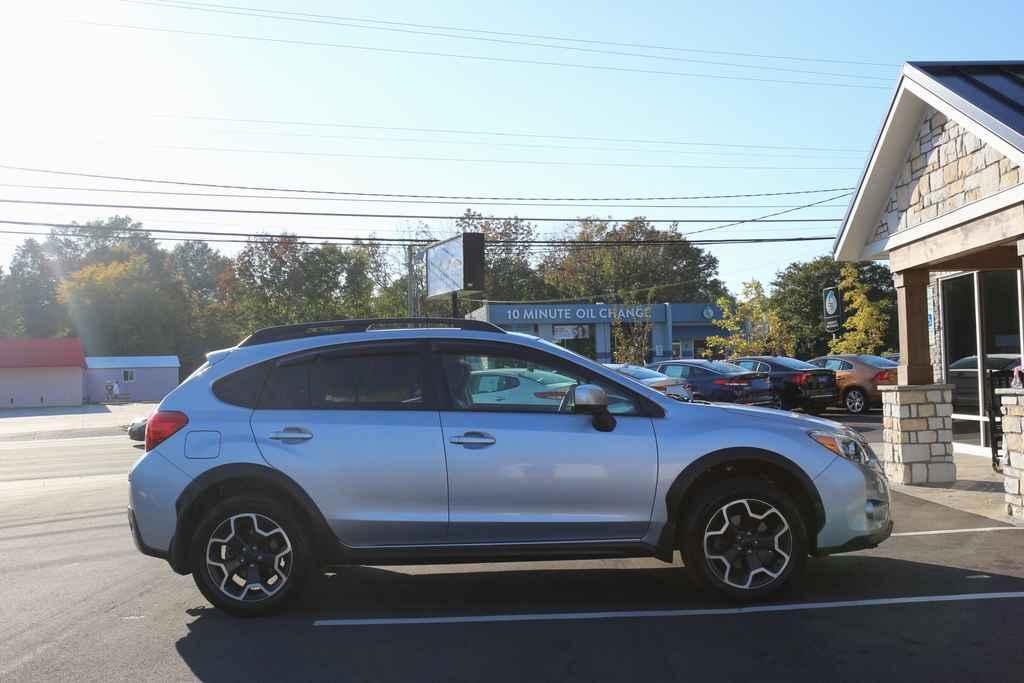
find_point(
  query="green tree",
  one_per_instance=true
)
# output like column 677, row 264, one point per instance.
column 509, row 274
column 34, row 282
column 867, row 321
column 10, row 318
column 679, row 270
column 123, row 308
column 752, row 327
column 199, row 266
column 796, row 297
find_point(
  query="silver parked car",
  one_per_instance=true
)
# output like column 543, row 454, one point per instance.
column 370, row 442
column 659, row 381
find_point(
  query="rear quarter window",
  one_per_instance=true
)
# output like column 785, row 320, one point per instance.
column 242, row 387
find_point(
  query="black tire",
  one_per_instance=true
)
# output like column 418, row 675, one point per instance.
column 704, row 515
column 859, row 400
column 285, row 554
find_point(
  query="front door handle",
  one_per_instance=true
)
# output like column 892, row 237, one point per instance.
column 473, row 440
column 291, row 434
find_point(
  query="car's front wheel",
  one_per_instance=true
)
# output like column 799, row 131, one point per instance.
column 745, row 538
column 249, row 555
column 855, row 401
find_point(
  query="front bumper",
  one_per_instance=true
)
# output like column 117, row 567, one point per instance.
column 866, row 542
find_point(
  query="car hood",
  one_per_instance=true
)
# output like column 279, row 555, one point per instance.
column 778, row 417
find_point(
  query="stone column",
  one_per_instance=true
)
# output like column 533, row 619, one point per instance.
column 918, row 433
column 1013, row 446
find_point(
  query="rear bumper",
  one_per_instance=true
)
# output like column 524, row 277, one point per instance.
column 140, row 545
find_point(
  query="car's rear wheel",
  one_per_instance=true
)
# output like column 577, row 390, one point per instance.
column 855, row 400
column 744, row 538
column 249, row 556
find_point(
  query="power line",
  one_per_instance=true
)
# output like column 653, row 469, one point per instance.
column 334, row 214
column 457, row 131
column 522, row 145
column 512, row 162
column 482, row 58
column 769, row 216
column 414, row 196
column 282, row 16
column 397, row 201
column 384, row 241
column 568, row 39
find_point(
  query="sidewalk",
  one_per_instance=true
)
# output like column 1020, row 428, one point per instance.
column 978, row 489
column 26, row 424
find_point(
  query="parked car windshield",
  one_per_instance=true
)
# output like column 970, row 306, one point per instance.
column 877, row 361
column 793, row 363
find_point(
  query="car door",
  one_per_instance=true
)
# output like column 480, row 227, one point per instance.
column 526, row 472
column 357, row 428
column 843, row 370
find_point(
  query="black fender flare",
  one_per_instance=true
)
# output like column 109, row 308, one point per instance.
column 675, row 498
column 320, row 534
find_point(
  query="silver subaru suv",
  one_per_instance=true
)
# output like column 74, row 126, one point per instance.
column 400, row 441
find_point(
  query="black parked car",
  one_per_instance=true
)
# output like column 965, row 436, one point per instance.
column 796, row 384
column 715, row 380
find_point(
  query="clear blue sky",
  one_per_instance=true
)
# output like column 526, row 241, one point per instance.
column 108, row 100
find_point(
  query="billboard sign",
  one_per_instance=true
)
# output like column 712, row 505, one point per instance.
column 832, row 308
column 456, row 265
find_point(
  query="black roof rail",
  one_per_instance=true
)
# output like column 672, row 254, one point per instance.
column 325, row 327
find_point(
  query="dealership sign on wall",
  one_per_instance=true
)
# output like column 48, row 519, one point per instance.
column 832, row 308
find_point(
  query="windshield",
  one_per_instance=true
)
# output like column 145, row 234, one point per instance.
column 793, row 363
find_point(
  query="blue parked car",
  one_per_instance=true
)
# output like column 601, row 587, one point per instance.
column 715, row 380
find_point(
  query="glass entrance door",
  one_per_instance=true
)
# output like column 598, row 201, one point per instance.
column 981, row 320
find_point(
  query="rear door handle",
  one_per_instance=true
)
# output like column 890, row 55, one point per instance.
column 473, row 440
column 291, row 434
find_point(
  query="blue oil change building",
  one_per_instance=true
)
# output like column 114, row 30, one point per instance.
column 677, row 330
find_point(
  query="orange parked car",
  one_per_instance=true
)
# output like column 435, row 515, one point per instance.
column 858, row 377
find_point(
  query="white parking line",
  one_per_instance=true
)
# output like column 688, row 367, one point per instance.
column 647, row 614
column 960, row 531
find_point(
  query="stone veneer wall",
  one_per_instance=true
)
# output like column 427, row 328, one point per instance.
column 1013, row 445
column 918, row 433
column 947, row 167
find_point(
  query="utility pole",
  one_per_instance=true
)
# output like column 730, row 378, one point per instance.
column 410, row 276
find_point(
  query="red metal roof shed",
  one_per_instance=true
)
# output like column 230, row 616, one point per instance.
column 22, row 352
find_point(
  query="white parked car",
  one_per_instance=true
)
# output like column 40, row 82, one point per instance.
column 671, row 386
column 518, row 386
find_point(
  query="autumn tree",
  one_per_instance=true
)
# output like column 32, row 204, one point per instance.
column 867, row 320
column 752, row 327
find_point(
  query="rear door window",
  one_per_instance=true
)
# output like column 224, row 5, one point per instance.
column 676, row 370
column 368, row 382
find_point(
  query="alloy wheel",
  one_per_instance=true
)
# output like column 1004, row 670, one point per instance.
column 855, row 401
column 748, row 543
column 249, row 557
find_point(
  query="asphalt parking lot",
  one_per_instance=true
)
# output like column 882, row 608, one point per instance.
column 941, row 600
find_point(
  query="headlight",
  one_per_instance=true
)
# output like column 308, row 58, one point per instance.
column 845, row 446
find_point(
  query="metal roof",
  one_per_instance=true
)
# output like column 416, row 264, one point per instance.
column 58, row 352
column 117, row 362
column 991, row 93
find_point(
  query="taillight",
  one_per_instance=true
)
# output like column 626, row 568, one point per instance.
column 801, row 377
column 549, row 394
column 885, row 377
column 162, row 425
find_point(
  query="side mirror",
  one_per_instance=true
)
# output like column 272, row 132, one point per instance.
column 590, row 399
